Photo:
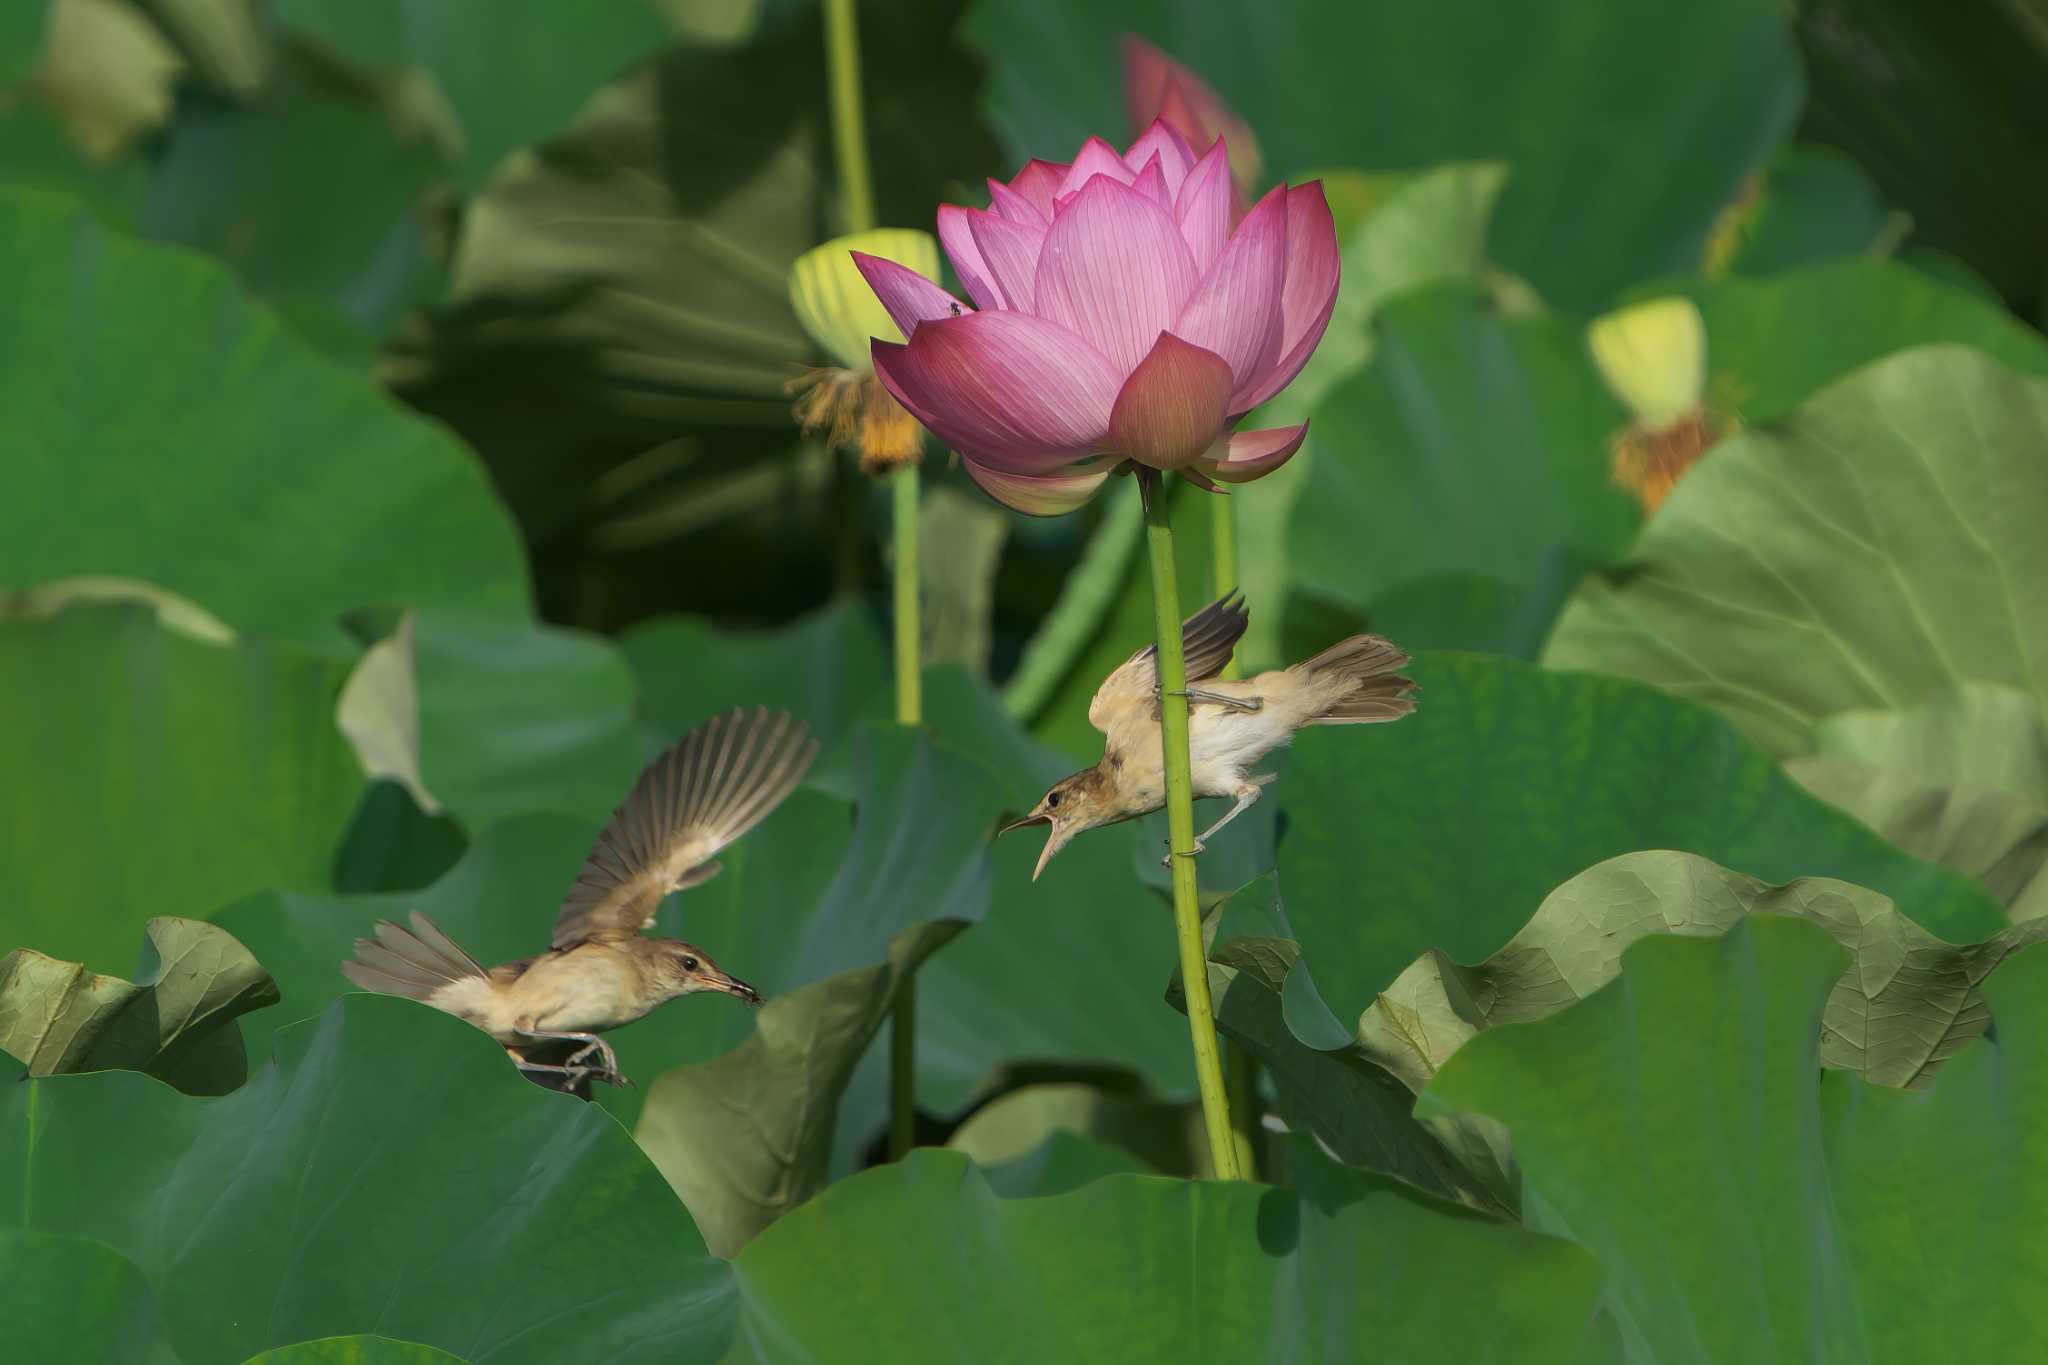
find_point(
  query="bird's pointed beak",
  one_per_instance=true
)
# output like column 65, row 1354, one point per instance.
column 1054, row 842
column 732, row 985
column 1032, row 819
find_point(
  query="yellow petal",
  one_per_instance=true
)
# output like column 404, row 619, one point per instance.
column 1654, row 356
column 833, row 301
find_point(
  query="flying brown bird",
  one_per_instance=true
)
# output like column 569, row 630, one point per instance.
column 601, row 971
column 1232, row 724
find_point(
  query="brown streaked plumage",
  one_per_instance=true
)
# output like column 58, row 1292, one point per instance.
column 1231, row 723
column 601, row 971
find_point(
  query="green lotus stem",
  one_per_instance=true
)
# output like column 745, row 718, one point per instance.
column 909, row 657
column 857, row 192
column 849, row 124
column 1241, row 1068
column 1180, row 826
column 909, row 711
column 1085, row 600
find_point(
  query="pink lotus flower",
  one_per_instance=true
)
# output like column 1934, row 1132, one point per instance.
column 1158, row 87
column 1118, row 317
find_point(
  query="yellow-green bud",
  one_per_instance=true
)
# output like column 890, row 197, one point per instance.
column 834, row 302
column 1654, row 357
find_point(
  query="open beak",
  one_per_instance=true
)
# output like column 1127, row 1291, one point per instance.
column 732, row 985
column 1054, row 842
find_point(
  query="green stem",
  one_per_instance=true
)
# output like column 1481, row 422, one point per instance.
column 1241, row 1068
column 1180, row 826
column 857, row 191
column 909, row 711
column 849, row 124
column 909, row 657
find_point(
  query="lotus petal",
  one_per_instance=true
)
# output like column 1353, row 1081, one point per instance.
column 1114, row 271
column 907, row 296
column 1172, row 406
column 1005, row 388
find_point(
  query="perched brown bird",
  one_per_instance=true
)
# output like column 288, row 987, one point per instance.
column 1231, row 724
column 601, row 971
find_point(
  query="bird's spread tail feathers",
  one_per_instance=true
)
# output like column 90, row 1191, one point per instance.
column 413, row 963
column 1366, row 687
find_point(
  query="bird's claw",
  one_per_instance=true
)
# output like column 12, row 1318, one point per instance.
column 1167, row 861
column 602, row 1051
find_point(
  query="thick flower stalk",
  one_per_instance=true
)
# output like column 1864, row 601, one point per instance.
column 1117, row 318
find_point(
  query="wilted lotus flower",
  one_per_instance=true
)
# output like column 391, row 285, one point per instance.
column 840, row 313
column 1158, row 87
column 1119, row 317
column 1653, row 356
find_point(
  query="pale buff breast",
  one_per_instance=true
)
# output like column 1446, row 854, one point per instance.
column 588, row 989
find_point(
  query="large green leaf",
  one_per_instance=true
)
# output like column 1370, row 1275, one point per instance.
column 36, row 152
column 748, row 1136
column 303, row 197
column 1406, row 231
column 516, row 718
column 1961, row 780
column 1749, row 1209
column 196, row 442
column 831, row 668
column 489, row 718
column 71, row 1298
column 1811, row 204
column 1447, row 829
column 1471, row 446
column 161, row 776
column 387, row 1173
column 512, row 72
column 1064, row 1161
column 21, row 41
column 1134, row 1267
column 1344, row 1096
column 1013, row 1131
column 175, row 1021
column 1773, row 343
column 1459, row 483
column 1870, row 550
column 1622, row 156
column 1907, row 1003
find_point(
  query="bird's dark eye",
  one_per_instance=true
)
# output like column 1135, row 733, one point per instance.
column 1052, row 800
column 690, row 964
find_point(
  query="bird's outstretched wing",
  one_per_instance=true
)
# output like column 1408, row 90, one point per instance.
column 1206, row 640
column 718, row 782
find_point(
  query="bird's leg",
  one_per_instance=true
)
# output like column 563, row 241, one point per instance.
column 575, row 1075
column 591, row 1043
column 1195, row 694
column 1246, row 793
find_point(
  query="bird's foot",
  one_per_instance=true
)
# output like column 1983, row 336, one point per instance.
column 602, row 1050
column 1167, row 861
